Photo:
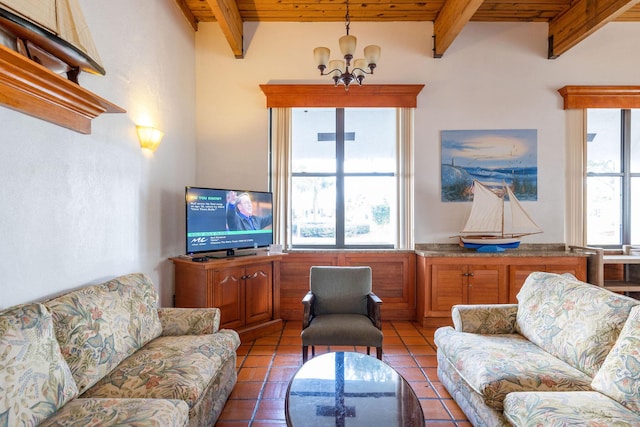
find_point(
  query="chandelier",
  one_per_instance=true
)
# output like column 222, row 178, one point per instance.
column 338, row 68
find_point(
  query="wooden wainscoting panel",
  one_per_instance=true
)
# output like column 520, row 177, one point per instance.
column 393, row 280
column 294, row 280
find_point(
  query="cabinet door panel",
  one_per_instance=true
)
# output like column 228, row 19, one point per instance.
column 561, row 269
column 228, row 296
column 484, row 284
column 393, row 276
column 517, row 275
column 448, row 286
column 258, row 293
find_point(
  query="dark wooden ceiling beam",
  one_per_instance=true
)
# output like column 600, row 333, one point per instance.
column 228, row 17
column 582, row 19
column 452, row 18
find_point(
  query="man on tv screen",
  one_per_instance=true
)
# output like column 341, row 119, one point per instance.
column 240, row 213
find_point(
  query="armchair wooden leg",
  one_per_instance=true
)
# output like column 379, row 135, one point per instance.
column 379, row 353
column 368, row 351
column 313, row 351
column 305, row 353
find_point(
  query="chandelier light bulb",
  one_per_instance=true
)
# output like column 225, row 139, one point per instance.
column 321, row 55
column 336, row 67
column 359, row 67
column 372, row 55
column 348, row 46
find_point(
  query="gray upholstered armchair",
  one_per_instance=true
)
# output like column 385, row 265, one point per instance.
column 341, row 309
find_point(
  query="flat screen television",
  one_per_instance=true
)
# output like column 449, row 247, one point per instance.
column 226, row 219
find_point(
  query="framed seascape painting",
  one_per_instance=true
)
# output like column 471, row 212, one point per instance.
column 493, row 157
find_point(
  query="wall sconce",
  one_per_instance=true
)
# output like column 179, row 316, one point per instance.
column 149, row 137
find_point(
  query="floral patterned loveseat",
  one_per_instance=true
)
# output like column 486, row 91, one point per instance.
column 568, row 354
column 106, row 355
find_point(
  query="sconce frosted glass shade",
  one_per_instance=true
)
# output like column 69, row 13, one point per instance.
column 149, row 137
column 338, row 66
column 372, row 54
column 321, row 55
column 348, row 45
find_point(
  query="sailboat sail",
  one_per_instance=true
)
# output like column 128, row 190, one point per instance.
column 486, row 212
column 487, row 223
column 520, row 219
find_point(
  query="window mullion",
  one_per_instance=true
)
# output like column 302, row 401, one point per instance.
column 340, row 203
column 626, row 177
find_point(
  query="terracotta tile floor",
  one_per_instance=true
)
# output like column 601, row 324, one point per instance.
column 266, row 365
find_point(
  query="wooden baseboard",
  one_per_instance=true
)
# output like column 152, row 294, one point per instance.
column 258, row 331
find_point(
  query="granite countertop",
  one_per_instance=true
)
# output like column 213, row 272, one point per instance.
column 455, row 250
column 525, row 250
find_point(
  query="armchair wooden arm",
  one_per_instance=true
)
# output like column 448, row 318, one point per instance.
column 373, row 309
column 307, row 303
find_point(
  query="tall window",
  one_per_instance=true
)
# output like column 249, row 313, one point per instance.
column 613, row 177
column 344, row 184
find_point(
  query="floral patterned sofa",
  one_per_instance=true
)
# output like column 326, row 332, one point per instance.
column 106, row 355
column 568, row 354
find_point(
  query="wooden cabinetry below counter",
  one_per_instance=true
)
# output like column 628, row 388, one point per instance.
column 471, row 278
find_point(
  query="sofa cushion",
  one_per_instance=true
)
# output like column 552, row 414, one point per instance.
column 173, row 367
column 619, row 376
column 100, row 325
column 574, row 321
column 189, row 321
column 562, row 409
column 35, row 380
column 121, row 412
column 495, row 365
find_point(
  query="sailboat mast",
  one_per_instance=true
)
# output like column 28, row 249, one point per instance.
column 504, row 193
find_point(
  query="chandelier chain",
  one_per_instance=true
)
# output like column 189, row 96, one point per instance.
column 347, row 19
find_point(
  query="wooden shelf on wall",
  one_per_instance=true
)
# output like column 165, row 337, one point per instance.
column 28, row 87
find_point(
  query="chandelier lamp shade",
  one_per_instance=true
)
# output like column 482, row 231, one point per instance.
column 341, row 70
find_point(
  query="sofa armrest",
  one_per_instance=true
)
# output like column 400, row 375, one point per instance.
column 189, row 321
column 485, row 319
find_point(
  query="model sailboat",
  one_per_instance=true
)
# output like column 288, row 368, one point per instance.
column 486, row 228
column 53, row 33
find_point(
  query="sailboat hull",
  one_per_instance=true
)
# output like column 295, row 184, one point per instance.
column 480, row 241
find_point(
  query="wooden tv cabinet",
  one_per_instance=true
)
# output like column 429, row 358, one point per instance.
column 246, row 289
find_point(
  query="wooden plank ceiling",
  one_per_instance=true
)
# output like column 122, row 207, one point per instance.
column 570, row 21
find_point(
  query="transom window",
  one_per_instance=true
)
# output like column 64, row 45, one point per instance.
column 613, row 177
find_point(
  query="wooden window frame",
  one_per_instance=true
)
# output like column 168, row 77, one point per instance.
column 582, row 97
column 294, row 95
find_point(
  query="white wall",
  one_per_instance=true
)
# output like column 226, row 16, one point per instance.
column 494, row 76
column 80, row 209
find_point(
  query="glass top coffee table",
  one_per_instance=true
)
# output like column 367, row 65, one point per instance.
column 346, row 389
